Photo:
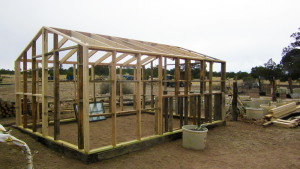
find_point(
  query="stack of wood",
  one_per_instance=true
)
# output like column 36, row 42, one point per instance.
column 277, row 113
column 7, row 109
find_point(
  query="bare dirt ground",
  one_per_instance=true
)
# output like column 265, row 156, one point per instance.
column 236, row 145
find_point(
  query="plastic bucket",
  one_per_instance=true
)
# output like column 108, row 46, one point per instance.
column 193, row 139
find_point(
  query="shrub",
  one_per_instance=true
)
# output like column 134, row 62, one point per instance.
column 127, row 88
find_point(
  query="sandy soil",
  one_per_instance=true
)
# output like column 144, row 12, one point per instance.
column 236, row 145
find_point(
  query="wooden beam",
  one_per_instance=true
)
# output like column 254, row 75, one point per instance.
column 25, row 109
column 30, row 43
column 80, row 96
column 33, row 86
column 170, row 122
column 45, row 84
column 18, row 89
column 138, row 97
column 160, row 92
column 190, row 76
column 67, row 56
column 177, row 76
column 74, row 78
column 108, row 54
column 129, row 61
column 107, row 41
column 210, row 76
column 186, row 76
column 202, row 77
column 63, row 34
column 152, row 96
column 56, row 89
column 113, row 98
column 121, row 89
column 223, row 77
column 144, row 88
column 165, row 74
column 86, row 107
column 87, row 39
column 93, row 82
column 60, row 44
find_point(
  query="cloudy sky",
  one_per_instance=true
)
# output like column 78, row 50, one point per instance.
column 243, row 33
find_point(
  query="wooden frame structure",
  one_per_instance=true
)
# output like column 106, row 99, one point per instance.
column 87, row 44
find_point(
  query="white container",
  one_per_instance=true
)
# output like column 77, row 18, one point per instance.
column 248, row 103
column 256, row 113
column 195, row 140
column 266, row 98
column 267, row 107
column 258, row 101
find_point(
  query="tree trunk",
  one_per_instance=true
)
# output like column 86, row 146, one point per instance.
column 290, row 84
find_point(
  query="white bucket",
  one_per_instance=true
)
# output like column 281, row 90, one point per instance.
column 193, row 139
column 256, row 113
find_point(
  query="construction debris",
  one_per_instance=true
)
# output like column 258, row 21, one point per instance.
column 275, row 116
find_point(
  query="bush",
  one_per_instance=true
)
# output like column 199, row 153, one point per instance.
column 127, row 89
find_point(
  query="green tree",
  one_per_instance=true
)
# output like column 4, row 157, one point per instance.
column 291, row 64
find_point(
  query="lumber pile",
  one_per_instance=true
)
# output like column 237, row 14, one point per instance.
column 284, row 110
column 7, row 109
column 275, row 115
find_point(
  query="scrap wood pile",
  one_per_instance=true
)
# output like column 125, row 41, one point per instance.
column 275, row 116
column 7, row 109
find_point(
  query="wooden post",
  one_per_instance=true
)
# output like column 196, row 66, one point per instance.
column 152, row 96
column 165, row 74
column 33, row 86
column 186, row 109
column 170, row 114
column 38, row 91
column 193, row 109
column 144, row 88
column 86, row 107
column 25, row 109
column 160, row 92
column 113, row 98
column 223, row 77
column 56, row 89
column 218, row 108
column 202, row 77
column 121, row 90
column 18, row 96
column 134, row 78
column 186, row 77
column 199, row 110
column 177, row 76
column 210, row 76
column 180, row 110
column 186, row 91
column 138, row 97
column 156, row 116
column 234, row 102
column 190, row 76
column 166, row 107
column 80, row 96
column 207, row 103
column 93, row 83
column 44, row 83
column 74, row 78
column 223, row 88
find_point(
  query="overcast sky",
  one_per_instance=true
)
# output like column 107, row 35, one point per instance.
column 243, row 33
